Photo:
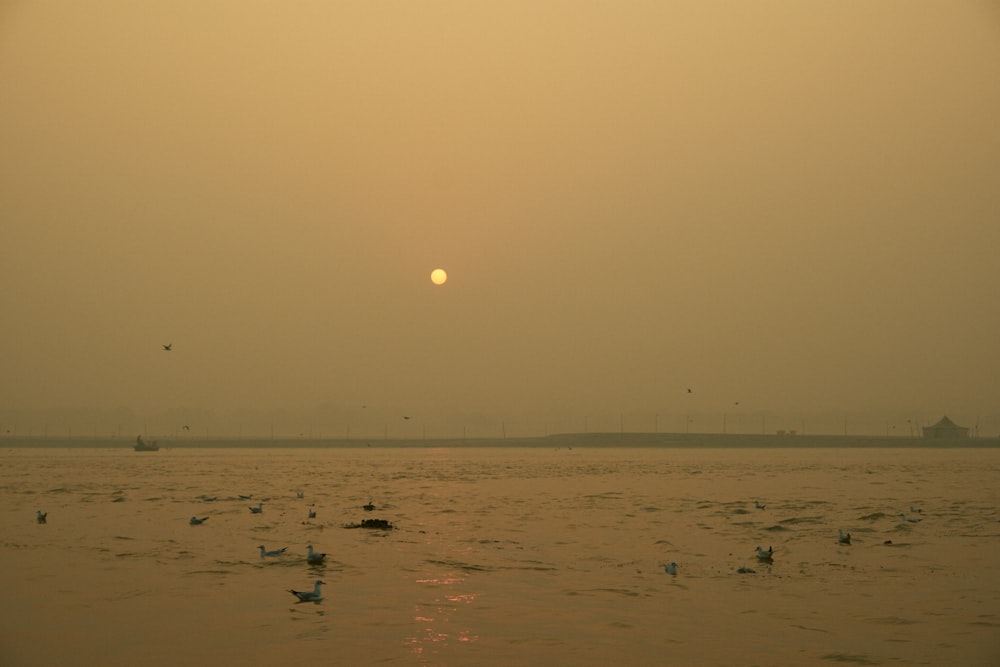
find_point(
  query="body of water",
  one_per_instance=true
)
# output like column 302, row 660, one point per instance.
column 500, row 556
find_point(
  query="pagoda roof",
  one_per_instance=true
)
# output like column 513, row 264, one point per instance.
column 946, row 423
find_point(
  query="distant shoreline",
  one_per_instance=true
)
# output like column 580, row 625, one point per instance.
column 605, row 440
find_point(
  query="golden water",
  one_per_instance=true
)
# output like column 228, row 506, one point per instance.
column 500, row 556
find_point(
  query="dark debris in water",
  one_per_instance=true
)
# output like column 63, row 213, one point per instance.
column 376, row 524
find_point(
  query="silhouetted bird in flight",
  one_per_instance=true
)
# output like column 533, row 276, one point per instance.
column 168, row 347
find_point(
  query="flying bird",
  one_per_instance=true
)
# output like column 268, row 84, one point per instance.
column 168, row 347
column 315, row 595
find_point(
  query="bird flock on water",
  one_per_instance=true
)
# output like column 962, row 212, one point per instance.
column 766, row 556
column 313, row 557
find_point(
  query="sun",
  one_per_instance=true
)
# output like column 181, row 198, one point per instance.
column 439, row 276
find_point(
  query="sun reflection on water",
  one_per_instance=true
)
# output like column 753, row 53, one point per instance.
column 436, row 617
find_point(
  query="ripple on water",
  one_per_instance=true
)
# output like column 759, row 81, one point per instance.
column 855, row 658
column 803, row 520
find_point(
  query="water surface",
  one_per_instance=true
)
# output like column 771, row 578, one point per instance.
column 500, row 556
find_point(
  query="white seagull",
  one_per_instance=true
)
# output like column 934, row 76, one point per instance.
column 314, row 557
column 41, row 516
column 259, row 509
column 670, row 568
column 195, row 521
column 842, row 537
column 315, row 595
column 264, row 553
column 906, row 518
column 757, row 504
column 765, row 555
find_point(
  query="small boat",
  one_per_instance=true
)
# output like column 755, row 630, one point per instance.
column 143, row 446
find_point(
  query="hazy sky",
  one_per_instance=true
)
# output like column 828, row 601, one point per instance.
column 793, row 205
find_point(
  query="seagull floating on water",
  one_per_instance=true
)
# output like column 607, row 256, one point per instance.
column 670, row 568
column 264, row 553
column 259, row 509
column 312, row 513
column 248, row 496
column 41, row 516
column 906, row 518
column 765, row 555
column 369, row 507
column 915, row 510
column 314, row 557
column 195, row 521
column 300, row 494
column 842, row 537
column 757, row 504
column 315, row 595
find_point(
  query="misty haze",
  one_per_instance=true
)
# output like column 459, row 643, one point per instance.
column 789, row 207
